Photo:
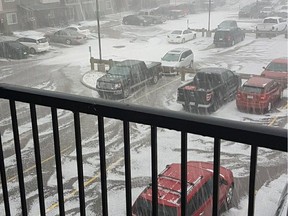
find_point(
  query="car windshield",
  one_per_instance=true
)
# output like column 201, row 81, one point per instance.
column 206, row 81
column 252, row 89
column 277, row 67
column 119, row 71
column 144, row 207
column 226, row 24
column 178, row 32
column 42, row 40
column 173, row 57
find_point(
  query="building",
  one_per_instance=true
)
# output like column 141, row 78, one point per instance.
column 8, row 16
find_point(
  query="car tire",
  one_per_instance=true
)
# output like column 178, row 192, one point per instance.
column 32, row 51
column 68, row 42
column 183, row 40
column 229, row 196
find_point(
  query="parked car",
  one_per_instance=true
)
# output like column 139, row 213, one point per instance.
column 282, row 205
column 13, row 50
column 209, row 90
column 169, row 11
column 252, row 10
column 181, row 36
column 266, row 12
column 188, row 8
column 277, row 69
column 65, row 36
column 282, row 11
column 177, row 58
column 156, row 19
column 258, row 94
column 80, row 29
column 199, row 191
column 228, row 37
column 126, row 76
column 271, row 26
column 137, row 20
column 35, row 44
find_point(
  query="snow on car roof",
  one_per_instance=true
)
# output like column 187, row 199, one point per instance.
column 257, row 81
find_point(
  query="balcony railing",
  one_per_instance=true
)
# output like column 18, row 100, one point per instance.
column 218, row 129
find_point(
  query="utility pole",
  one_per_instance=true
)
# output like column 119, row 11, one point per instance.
column 98, row 25
column 209, row 12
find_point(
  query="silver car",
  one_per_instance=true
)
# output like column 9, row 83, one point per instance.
column 66, row 36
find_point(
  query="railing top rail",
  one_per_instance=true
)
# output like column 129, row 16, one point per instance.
column 252, row 134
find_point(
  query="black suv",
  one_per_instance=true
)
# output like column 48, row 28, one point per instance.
column 13, row 50
column 228, row 37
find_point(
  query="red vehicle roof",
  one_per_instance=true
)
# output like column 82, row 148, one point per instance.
column 257, row 81
column 281, row 60
column 169, row 181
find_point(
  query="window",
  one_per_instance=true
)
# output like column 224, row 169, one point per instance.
column 11, row 18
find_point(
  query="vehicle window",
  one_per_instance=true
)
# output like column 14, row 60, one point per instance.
column 119, row 71
column 185, row 32
column 282, row 20
column 171, row 57
column 144, row 207
column 273, row 66
column 189, row 52
column 200, row 197
column 177, row 32
column 30, row 40
column 270, row 21
column 42, row 40
column 21, row 39
column 252, row 89
column 229, row 74
column 205, row 80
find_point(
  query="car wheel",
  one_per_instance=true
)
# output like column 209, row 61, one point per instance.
column 32, row 51
column 183, row 40
column 126, row 92
column 229, row 196
column 68, row 42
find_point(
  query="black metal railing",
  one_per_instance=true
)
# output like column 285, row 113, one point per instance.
column 250, row 134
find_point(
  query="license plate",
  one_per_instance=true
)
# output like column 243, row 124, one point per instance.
column 249, row 97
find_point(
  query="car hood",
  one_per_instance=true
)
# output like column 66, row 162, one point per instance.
column 169, row 63
column 111, row 78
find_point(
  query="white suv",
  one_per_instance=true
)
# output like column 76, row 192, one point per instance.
column 35, row 44
column 177, row 58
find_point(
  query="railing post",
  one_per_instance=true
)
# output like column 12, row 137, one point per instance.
column 216, row 167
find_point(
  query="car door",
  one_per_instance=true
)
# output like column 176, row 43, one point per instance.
column 186, row 35
column 184, row 60
column 231, row 83
column 282, row 24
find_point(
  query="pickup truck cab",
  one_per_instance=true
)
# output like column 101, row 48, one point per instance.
column 271, row 26
column 208, row 90
column 126, row 76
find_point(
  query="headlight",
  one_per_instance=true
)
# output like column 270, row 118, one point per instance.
column 117, row 86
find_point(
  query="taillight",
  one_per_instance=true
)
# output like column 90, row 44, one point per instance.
column 209, row 96
column 263, row 97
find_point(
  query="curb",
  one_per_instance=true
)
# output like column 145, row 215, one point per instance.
column 82, row 81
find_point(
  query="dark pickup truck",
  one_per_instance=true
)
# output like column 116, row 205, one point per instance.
column 126, row 76
column 210, row 88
